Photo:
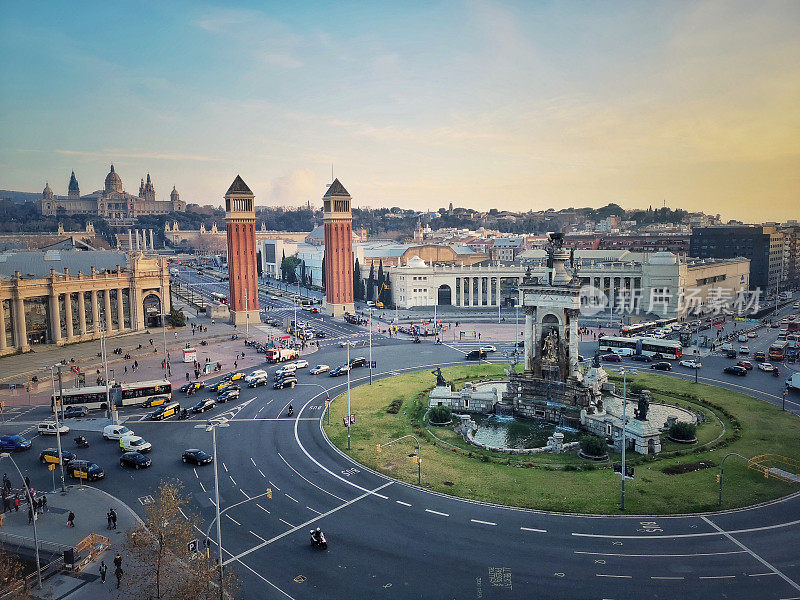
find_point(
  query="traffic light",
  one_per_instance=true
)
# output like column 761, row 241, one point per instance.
column 378, row 448
column 416, row 459
column 269, row 493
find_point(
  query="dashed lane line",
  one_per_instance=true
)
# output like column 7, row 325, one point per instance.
column 273, row 485
column 312, row 510
column 436, row 512
column 482, row 522
column 232, row 519
column 290, row 498
column 262, row 473
column 254, row 462
column 245, row 493
column 403, row 503
column 614, row 576
column 258, row 536
column 533, row 530
column 202, row 486
column 751, row 553
column 307, row 523
column 664, row 577
column 287, row 522
column 688, row 535
column 232, row 479
column 195, row 473
column 262, row 508
column 225, row 467
column 308, row 480
column 761, row 574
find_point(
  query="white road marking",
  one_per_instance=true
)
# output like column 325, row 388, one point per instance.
column 312, row 510
column 232, row 519
column 719, row 577
column 403, row 503
column 687, row 535
column 659, row 555
column 224, row 467
column 273, row 485
column 534, row 530
column 436, row 512
column 751, row 553
column 761, row 574
column 201, row 485
column 287, row 522
column 254, row 462
column 482, row 522
column 262, row 473
column 664, row 577
column 195, row 473
column 615, row 576
column 258, row 536
column 262, row 508
column 307, row 523
column 290, row 498
column 232, row 479
column 245, row 493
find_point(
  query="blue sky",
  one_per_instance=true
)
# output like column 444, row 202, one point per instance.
column 511, row 105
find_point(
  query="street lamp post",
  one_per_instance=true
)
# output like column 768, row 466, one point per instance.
column 370, row 345
column 58, row 426
column 30, row 507
column 348, row 395
column 212, row 426
column 164, row 328
column 624, row 427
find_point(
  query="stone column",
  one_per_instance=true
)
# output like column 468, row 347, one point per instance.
column 529, row 339
column 55, row 317
column 573, row 342
column 95, row 314
column 20, row 330
column 82, row 312
column 152, row 247
column 120, row 310
column 107, row 302
column 3, row 343
column 68, row 310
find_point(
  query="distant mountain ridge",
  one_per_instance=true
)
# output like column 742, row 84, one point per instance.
column 19, row 197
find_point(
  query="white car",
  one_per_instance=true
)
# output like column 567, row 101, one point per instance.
column 344, row 343
column 765, row 366
column 691, row 363
column 488, row 349
column 285, row 370
column 742, row 337
column 300, row 364
column 115, row 432
column 134, row 443
column 49, row 428
column 256, row 374
column 744, row 350
column 320, row 369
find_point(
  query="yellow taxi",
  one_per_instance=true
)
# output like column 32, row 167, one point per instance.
column 50, row 456
column 236, row 376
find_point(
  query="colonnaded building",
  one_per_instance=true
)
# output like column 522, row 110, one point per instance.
column 61, row 297
column 114, row 204
column 655, row 281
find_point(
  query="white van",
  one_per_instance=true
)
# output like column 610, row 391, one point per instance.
column 285, row 371
column 115, row 432
column 49, row 428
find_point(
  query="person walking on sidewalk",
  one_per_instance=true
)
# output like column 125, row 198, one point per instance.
column 118, row 574
column 16, row 502
column 71, row 519
column 44, row 504
column 113, row 519
column 6, row 501
column 108, row 518
column 103, row 569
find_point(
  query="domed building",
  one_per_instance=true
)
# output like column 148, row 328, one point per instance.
column 112, row 203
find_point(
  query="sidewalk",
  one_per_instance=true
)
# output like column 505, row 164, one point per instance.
column 90, row 506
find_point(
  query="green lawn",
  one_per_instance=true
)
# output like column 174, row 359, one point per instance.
column 752, row 428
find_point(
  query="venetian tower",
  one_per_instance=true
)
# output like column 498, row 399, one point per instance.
column 240, row 224
column 338, row 221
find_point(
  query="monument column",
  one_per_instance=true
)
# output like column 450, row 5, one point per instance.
column 107, row 304
column 20, row 329
column 95, row 314
column 3, row 343
column 529, row 338
column 68, row 319
column 572, row 315
column 55, row 316
column 120, row 310
column 82, row 313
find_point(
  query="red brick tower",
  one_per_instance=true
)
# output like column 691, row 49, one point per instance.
column 338, row 250
column 240, row 224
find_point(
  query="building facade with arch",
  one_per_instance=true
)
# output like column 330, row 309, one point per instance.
column 63, row 297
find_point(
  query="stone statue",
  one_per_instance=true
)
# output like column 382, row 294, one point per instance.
column 440, row 380
column 596, row 359
column 644, row 406
column 550, row 346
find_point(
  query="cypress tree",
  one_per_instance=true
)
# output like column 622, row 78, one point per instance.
column 371, row 282
column 357, row 281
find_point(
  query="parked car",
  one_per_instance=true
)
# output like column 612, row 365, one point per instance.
column 137, row 460
column 50, row 456
column 641, row 358
column 475, row 355
column 765, row 366
column 691, row 363
column 612, row 358
column 50, row 428
column 14, row 443
column 204, row 405
column 284, row 383
column 735, row 370
column 746, row 364
column 86, row 470
column 662, row 366
column 320, row 369
column 74, row 412
column 196, row 456
column 488, row 348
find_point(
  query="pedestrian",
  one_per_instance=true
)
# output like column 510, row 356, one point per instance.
column 126, row 368
column 71, row 519
column 6, row 482
column 30, row 514
column 103, row 569
column 187, row 375
column 118, row 574
column 44, row 503
column 235, row 365
column 108, row 519
column 16, row 502
column 118, row 561
column 113, row 519
column 6, row 501
column 176, row 335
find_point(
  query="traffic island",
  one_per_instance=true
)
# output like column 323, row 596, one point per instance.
column 729, row 422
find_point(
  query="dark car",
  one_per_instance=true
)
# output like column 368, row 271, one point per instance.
column 15, row 443
column 196, row 456
column 229, row 387
column 230, row 393
column 319, row 334
column 339, row 371
column 263, row 380
column 731, row 354
column 284, row 383
column 612, row 358
column 760, row 357
column 735, row 370
column 662, row 366
column 85, row 469
column 50, row 456
column 475, row 355
column 204, row 405
column 137, row 460
column 359, row 361
column 641, row 357
column 192, row 385
column 72, row 412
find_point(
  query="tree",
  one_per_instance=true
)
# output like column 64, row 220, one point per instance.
column 303, row 272
column 380, row 280
column 176, row 318
column 259, row 267
column 371, row 282
column 357, row 281
column 685, row 432
column 160, row 565
column 12, row 578
column 593, row 445
column 288, row 268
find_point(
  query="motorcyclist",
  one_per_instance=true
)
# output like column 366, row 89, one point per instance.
column 291, row 410
column 316, row 535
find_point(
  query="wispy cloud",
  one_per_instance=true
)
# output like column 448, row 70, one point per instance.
column 116, row 153
column 282, row 60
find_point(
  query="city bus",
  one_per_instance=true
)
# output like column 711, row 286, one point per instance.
column 221, row 298
column 671, row 349
column 777, row 350
column 126, row 394
column 634, row 329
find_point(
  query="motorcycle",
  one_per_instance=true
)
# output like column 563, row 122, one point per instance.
column 204, row 343
column 291, row 411
column 776, row 373
column 81, row 442
column 319, row 542
column 184, row 414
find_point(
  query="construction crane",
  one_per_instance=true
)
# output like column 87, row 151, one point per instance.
column 384, row 286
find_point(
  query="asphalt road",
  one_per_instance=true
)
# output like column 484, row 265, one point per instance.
column 391, row 540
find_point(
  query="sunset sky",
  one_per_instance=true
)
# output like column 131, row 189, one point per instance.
column 520, row 106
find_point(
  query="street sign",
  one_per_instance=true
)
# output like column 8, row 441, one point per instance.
column 373, row 364
column 193, row 546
